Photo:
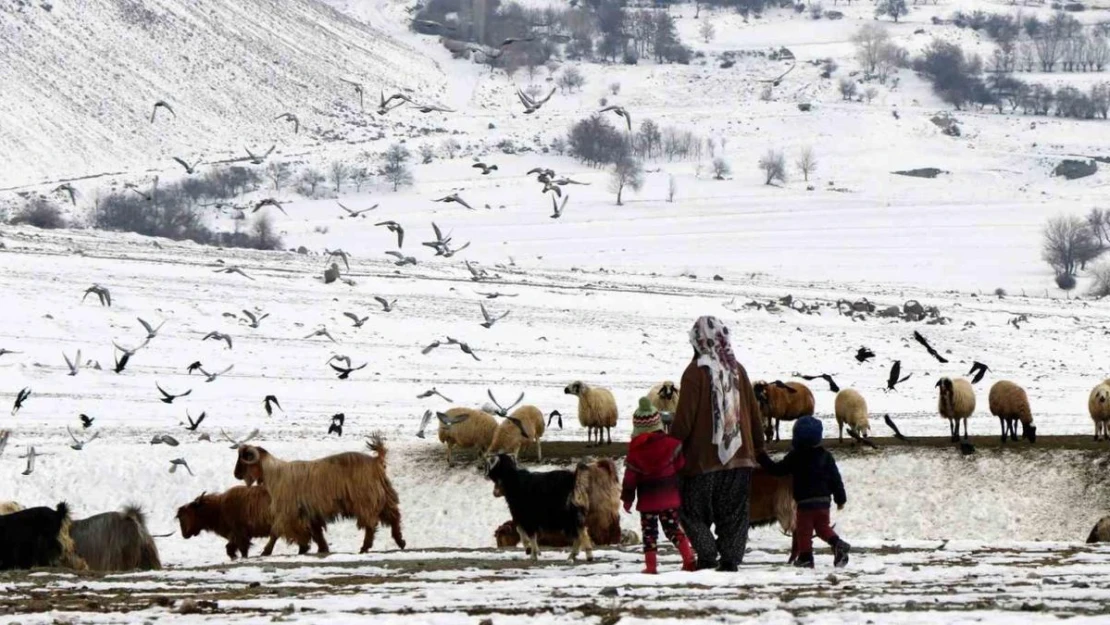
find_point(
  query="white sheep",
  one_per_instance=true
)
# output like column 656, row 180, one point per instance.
column 851, row 410
column 597, row 410
column 1010, row 404
column 1098, row 404
column 664, row 396
column 956, row 401
column 524, row 426
column 466, row 428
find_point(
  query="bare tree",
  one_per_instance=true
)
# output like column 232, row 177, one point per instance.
column 706, row 30
column 870, row 40
column 310, row 179
column 451, row 147
column 773, row 165
column 394, row 166
column 1069, row 244
column 427, row 154
column 339, row 172
column 847, row 88
column 627, row 172
column 672, row 188
column 279, row 174
column 360, row 176
column 721, row 168
column 893, row 8
column 870, row 94
column 807, row 162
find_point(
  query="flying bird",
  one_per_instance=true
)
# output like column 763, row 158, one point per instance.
column 167, row 398
column 344, row 256
column 402, row 260
column 454, row 197
column 555, row 415
column 79, row 444
column 193, row 425
column 68, row 190
column 387, row 306
column 979, row 370
column 864, row 354
column 893, row 379
column 193, row 367
column 151, row 331
column 428, row 393
column 794, row 63
column 428, row 348
column 211, row 377
column 30, row 456
column 268, row 403
column 897, row 433
column 164, row 439
column 236, row 444
column 502, row 411
column 218, row 336
column 356, row 213
column 511, row 40
column 86, row 420
column 383, row 102
column 557, row 209
column 358, row 90
column 161, row 104
column 269, row 202
column 486, row 169
column 530, row 105
column 253, row 319
column 121, row 362
column 463, row 347
column 233, row 269
column 337, row 421
column 495, row 295
column 74, row 365
column 179, row 462
column 489, row 321
column 5, row 435
column 345, row 372
column 476, row 274
column 102, row 293
column 258, row 159
column 189, row 169
column 355, row 318
column 619, row 110
column 824, row 376
column 321, row 332
column 424, row 420
column 564, row 181
column 393, row 226
column 5, row 352
column 921, row 339
column 289, row 117
column 19, row 399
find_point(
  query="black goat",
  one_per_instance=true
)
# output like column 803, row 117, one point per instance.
column 552, row 501
column 116, row 541
column 35, row 537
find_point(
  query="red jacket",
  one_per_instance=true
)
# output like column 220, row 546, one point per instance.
column 651, row 472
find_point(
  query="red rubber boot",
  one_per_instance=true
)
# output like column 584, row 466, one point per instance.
column 689, row 562
column 651, row 566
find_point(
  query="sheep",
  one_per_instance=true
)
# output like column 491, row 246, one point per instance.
column 780, row 402
column 37, row 537
column 466, row 428
column 1010, row 404
column 1098, row 404
column 597, row 410
column 238, row 514
column 664, row 396
column 524, row 426
column 116, row 541
column 956, row 401
column 306, row 494
column 8, row 507
column 851, row 410
column 1101, row 532
column 554, row 501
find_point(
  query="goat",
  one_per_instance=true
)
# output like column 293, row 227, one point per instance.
column 238, row 514
column 115, row 541
column 37, row 537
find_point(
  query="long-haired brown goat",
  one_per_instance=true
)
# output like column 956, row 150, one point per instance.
column 116, row 541
column 306, row 493
column 238, row 514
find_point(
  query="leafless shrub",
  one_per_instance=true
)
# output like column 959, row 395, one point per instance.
column 773, row 165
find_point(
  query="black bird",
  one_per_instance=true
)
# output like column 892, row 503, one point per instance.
column 358, row 90
column 218, row 336
column 897, row 433
column 511, row 40
column 189, row 169
column 358, row 320
column 20, row 398
column 196, row 366
column 979, row 370
column 428, row 348
column 268, row 402
column 290, row 118
column 393, row 226
column 921, row 339
column 555, row 415
column 258, row 159
column 337, row 421
column 356, row 213
column 859, row 439
column 486, row 169
column 345, row 372
column 193, row 425
column 557, row 208
column 387, row 305
column 530, row 105
column 102, row 293
column 424, row 420
column 495, row 295
column 161, row 104
column 619, row 110
column 966, row 448
column 68, row 190
column 824, row 376
column 489, row 319
column 151, row 331
column 893, row 379
column 121, row 362
column 463, row 347
column 454, row 197
column 864, row 354
column 269, row 202
column 86, row 420
column 168, row 398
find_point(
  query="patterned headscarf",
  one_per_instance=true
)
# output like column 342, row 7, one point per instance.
column 714, row 352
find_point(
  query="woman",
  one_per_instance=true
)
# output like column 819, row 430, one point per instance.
column 716, row 416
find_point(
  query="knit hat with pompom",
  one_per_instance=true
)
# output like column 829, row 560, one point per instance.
column 645, row 419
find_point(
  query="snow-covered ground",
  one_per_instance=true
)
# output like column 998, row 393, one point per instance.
column 605, row 294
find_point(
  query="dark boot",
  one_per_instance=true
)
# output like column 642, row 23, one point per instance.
column 805, row 560
column 703, row 565
column 727, row 567
column 840, row 553
column 651, row 563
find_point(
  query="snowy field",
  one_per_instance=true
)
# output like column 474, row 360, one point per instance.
column 604, row 294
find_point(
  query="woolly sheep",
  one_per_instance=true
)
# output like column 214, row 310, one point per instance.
column 851, row 410
column 1010, row 404
column 8, row 507
column 1101, row 531
column 116, row 541
column 466, row 428
column 955, row 401
column 524, row 426
column 1098, row 404
column 780, row 402
column 664, row 396
column 597, row 410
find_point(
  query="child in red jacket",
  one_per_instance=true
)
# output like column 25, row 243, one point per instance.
column 651, row 474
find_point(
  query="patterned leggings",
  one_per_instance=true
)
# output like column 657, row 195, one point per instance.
column 650, row 522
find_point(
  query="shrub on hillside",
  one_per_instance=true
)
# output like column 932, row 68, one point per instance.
column 40, row 213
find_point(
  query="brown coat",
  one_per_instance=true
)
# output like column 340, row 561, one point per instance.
column 693, row 423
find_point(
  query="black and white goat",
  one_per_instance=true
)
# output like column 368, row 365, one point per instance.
column 36, row 537
column 552, row 501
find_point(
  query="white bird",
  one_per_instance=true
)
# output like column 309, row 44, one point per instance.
column 321, row 332
column 402, row 260
column 236, row 444
column 356, row 213
column 78, row 444
column 211, row 377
